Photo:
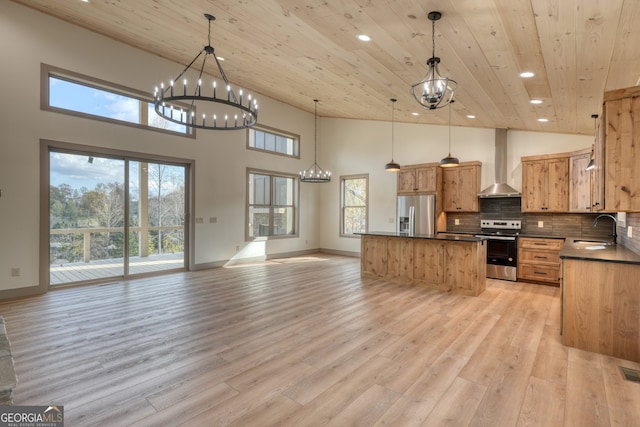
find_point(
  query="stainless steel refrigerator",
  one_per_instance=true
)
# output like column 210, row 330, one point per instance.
column 416, row 214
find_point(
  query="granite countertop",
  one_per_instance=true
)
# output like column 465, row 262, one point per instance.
column 439, row 236
column 596, row 252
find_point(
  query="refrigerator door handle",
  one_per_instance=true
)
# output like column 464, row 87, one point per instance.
column 412, row 218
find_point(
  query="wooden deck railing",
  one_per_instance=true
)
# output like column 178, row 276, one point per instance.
column 86, row 235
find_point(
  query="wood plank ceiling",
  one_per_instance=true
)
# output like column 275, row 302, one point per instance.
column 297, row 50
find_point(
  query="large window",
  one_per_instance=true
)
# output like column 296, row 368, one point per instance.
column 274, row 141
column 354, row 204
column 71, row 93
column 271, row 204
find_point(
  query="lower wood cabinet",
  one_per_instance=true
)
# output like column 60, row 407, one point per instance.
column 448, row 265
column 539, row 260
column 601, row 307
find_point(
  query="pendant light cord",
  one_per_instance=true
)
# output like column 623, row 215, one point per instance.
column 450, row 129
column 393, row 105
column 433, row 38
column 315, row 133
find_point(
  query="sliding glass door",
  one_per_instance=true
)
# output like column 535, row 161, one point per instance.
column 156, row 217
column 90, row 195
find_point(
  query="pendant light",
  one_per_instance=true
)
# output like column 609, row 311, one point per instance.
column 392, row 166
column 592, row 160
column 449, row 161
column 434, row 91
column 315, row 174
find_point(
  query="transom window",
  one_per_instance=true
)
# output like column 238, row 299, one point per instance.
column 271, row 204
column 273, row 141
column 71, row 93
column 354, row 204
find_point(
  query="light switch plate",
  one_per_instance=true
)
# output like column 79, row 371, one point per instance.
column 540, row 224
column 457, row 221
column 629, row 231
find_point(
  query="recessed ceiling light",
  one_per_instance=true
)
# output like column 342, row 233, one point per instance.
column 526, row 74
column 415, row 114
column 364, row 38
column 543, row 120
column 471, row 116
column 536, row 101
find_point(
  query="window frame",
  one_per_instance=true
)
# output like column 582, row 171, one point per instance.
column 343, row 180
column 296, row 198
column 144, row 99
column 276, row 132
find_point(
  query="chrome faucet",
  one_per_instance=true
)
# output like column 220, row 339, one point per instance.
column 615, row 225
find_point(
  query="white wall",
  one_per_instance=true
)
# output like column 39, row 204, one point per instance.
column 29, row 38
column 360, row 146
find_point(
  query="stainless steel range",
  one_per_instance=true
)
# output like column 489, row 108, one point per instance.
column 502, row 247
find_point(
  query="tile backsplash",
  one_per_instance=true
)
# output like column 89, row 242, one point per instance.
column 633, row 243
column 542, row 224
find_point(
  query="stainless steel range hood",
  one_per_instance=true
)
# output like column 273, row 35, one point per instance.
column 500, row 188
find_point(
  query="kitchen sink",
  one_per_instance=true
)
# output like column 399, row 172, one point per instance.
column 594, row 242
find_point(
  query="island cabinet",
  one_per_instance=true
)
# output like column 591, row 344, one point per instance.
column 580, row 185
column 418, row 179
column 545, row 183
column 445, row 264
column 460, row 187
column 618, row 152
column 539, row 260
column 601, row 307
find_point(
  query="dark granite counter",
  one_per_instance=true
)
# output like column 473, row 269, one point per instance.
column 439, row 236
column 591, row 250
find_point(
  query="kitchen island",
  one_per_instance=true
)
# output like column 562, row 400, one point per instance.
column 601, row 298
column 447, row 262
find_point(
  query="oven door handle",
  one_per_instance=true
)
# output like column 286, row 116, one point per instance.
column 496, row 237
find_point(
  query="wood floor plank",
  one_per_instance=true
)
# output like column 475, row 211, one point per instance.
column 505, row 393
column 586, row 401
column 306, row 341
column 416, row 403
column 551, row 357
column 457, row 405
column 543, row 405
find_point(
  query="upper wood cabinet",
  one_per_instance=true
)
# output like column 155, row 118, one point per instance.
column 545, row 183
column 460, row 187
column 618, row 152
column 418, row 179
column 580, row 185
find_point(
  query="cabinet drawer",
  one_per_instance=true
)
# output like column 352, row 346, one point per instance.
column 545, row 244
column 539, row 273
column 539, row 256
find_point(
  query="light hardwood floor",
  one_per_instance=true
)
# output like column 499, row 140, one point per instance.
column 307, row 342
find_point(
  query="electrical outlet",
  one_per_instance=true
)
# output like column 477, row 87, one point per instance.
column 213, row 219
column 457, row 221
column 199, row 220
column 237, row 248
column 15, row 272
column 540, row 224
column 629, row 231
